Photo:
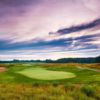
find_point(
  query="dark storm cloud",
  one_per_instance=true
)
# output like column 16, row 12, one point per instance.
column 66, row 43
column 84, row 46
column 3, row 43
column 40, row 44
column 78, row 27
column 88, row 38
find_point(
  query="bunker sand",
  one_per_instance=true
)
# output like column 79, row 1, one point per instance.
column 2, row 69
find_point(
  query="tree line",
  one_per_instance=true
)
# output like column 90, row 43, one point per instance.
column 62, row 60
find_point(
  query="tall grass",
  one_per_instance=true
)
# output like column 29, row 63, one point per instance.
column 49, row 92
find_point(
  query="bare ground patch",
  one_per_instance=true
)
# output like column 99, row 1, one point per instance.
column 2, row 68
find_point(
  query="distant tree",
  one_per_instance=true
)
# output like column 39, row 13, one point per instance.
column 62, row 60
column 16, row 60
column 97, row 59
column 49, row 61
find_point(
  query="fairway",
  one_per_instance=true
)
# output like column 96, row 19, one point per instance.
column 44, row 74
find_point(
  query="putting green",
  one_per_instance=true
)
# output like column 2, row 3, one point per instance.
column 44, row 74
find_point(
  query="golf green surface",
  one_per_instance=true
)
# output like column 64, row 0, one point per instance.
column 44, row 74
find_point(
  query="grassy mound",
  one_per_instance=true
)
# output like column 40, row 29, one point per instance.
column 44, row 74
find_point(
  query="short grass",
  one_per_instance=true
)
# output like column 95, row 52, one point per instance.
column 44, row 74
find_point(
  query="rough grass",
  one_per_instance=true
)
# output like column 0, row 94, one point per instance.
column 49, row 92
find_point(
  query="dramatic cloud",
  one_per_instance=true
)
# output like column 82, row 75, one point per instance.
column 41, row 29
column 78, row 28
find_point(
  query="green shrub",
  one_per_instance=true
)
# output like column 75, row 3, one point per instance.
column 88, row 90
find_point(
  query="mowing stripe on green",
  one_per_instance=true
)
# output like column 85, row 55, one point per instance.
column 44, row 74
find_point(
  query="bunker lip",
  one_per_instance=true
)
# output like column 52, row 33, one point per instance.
column 44, row 74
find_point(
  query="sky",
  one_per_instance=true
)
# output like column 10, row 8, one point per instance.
column 49, row 29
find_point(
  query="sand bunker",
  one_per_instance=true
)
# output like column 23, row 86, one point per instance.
column 2, row 69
